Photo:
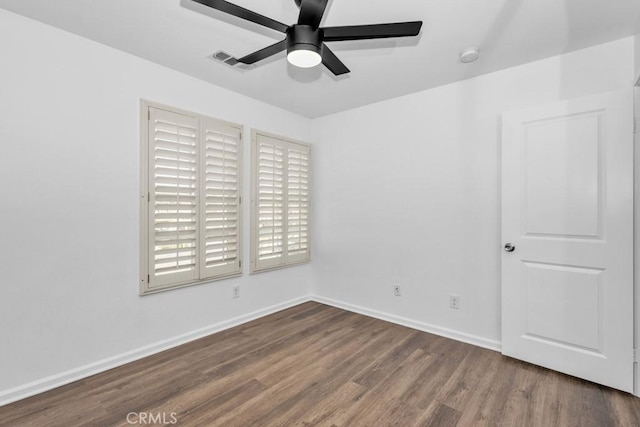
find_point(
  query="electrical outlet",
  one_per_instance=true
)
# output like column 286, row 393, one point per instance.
column 236, row 291
column 396, row 290
column 454, row 301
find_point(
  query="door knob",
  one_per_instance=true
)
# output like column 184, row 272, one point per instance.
column 509, row 247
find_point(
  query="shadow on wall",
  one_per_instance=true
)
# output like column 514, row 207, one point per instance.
column 572, row 8
column 468, row 100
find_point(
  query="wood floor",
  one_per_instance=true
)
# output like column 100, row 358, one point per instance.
column 314, row 365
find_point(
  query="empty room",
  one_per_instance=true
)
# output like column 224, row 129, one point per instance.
column 319, row 213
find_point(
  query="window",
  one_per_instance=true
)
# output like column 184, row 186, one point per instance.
column 280, row 202
column 191, row 199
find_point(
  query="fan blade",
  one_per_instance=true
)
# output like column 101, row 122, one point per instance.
column 311, row 12
column 241, row 12
column 264, row 53
column 331, row 61
column 376, row 31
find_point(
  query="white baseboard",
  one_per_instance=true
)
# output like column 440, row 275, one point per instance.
column 63, row 378
column 414, row 324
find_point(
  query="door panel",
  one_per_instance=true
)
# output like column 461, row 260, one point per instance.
column 550, row 317
column 567, row 207
column 563, row 176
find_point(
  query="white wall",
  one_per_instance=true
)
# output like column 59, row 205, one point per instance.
column 69, row 212
column 406, row 191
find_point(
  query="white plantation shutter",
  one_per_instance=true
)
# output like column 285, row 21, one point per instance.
column 221, row 200
column 280, row 202
column 270, row 202
column 192, row 221
column 298, row 202
column 173, row 201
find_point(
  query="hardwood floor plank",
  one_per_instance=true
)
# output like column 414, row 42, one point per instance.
column 372, row 403
column 383, row 366
column 296, row 362
column 624, row 408
column 206, row 412
column 243, row 369
column 448, row 356
column 315, row 365
column 343, row 372
column 522, row 397
column 323, row 411
column 464, row 382
column 443, row 415
column 491, row 408
column 296, row 393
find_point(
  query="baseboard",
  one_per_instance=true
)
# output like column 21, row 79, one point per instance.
column 63, row 378
column 414, row 324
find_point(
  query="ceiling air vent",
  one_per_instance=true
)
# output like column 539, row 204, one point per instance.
column 226, row 58
column 221, row 56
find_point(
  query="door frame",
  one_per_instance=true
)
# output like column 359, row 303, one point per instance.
column 636, row 235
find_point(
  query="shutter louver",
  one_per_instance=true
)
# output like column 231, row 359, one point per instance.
column 298, row 169
column 221, row 194
column 173, row 203
column 270, row 189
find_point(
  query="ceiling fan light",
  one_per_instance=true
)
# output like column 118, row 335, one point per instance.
column 304, row 58
column 304, row 46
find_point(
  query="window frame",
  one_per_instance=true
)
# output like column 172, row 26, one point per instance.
column 254, row 206
column 145, row 287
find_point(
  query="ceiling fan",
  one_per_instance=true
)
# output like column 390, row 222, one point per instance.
column 305, row 40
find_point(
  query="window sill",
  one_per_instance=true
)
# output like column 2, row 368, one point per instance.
column 279, row 267
column 145, row 290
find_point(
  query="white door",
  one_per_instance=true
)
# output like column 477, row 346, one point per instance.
column 567, row 211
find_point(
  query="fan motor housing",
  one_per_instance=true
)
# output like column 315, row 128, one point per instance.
column 304, row 37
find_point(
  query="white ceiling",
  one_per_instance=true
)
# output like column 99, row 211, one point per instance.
column 181, row 34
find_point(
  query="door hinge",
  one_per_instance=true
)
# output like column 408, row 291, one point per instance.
column 635, row 356
column 148, row 278
column 148, row 114
column 148, row 197
column 240, row 264
column 240, row 200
